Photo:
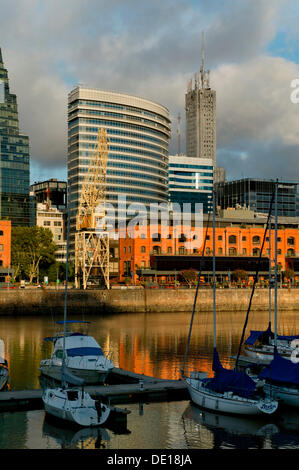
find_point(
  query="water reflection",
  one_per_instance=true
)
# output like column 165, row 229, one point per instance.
column 223, row 431
column 67, row 438
column 151, row 344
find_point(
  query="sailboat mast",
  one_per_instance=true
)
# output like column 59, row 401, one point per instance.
column 270, row 275
column 66, row 280
column 275, row 292
column 214, row 271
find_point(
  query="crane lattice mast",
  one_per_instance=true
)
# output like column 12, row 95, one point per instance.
column 92, row 242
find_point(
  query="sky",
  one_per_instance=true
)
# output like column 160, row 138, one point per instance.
column 152, row 49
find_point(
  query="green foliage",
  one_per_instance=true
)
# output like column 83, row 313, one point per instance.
column 239, row 275
column 189, row 275
column 289, row 273
column 31, row 248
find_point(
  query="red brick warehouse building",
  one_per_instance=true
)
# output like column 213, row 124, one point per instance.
column 237, row 241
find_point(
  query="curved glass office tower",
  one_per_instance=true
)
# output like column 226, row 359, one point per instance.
column 139, row 131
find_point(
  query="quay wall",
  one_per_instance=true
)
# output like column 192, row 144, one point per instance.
column 37, row 302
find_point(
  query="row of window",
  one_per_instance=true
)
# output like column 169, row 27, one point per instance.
column 231, row 239
column 182, row 250
column 103, row 104
column 125, row 125
column 122, row 133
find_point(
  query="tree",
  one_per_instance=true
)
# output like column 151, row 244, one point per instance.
column 239, row 275
column 189, row 275
column 289, row 273
column 30, row 246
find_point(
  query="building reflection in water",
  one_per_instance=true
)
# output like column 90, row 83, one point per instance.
column 151, row 344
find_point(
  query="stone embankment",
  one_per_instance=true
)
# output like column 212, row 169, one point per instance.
column 47, row 302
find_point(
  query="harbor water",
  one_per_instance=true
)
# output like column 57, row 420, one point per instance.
column 151, row 344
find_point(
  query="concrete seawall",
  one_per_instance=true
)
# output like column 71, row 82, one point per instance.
column 45, row 302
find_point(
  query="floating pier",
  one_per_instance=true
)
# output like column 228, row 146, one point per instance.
column 124, row 387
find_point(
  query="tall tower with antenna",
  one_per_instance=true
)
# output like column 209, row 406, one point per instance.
column 200, row 101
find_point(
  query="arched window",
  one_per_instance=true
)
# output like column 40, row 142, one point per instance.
column 1, row 233
column 182, row 238
column 256, row 252
column 232, row 250
column 291, row 252
column 232, row 239
column 143, row 249
column 181, row 250
column 169, row 249
column 156, row 250
column 291, row 241
column 256, row 239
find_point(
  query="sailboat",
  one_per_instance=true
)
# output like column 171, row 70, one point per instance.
column 4, row 374
column 281, row 376
column 71, row 404
column 260, row 344
column 84, row 356
column 229, row 391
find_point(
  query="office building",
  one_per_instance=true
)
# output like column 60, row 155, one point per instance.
column 139, row 131
column 256, row 194
column 50, row 212
column 52, row 192
column 191, row 182
column 14, row 158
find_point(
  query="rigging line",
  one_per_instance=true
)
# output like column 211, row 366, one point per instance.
column 196, row 293
column 66, row 279
column 255, row 280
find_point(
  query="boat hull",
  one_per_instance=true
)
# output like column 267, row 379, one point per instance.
column 4, row 377
column 226, row 403
column 81, row 412
column 288, row 396
column 89, row 376
column 265, row 356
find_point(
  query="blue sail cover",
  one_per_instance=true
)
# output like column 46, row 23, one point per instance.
column 226, row 380
column 281, row 370
column 255, row 335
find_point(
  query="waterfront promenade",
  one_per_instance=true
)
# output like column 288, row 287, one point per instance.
column 37, row 302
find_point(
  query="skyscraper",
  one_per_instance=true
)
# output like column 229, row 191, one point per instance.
column 14, row 158
column 138, row 130
column 200, row 101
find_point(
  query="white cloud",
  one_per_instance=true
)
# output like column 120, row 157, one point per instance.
column 149, row 49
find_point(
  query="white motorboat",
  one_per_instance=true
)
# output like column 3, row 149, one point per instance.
column 64, row 402
column 84, row 357
column 4, row 374
column 76, row 406
column 229, row 391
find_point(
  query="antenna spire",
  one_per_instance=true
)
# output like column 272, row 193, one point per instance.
column 179, row 134
column 202, row 69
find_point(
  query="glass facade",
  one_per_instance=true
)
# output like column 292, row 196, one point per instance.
column 15, row 204
column 191, row 181
column 256, row 195
column 138, row 130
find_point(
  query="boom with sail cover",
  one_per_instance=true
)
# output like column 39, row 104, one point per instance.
column 228, row 380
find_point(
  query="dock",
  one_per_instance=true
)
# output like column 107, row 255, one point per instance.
column 124, row 387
